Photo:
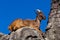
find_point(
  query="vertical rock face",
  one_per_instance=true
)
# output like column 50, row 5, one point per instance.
column 53, row 31
column 53, row 28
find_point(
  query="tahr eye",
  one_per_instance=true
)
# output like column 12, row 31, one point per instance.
column 40, row 16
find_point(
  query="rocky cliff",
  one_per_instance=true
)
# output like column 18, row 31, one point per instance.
column 52, row 30
column 22, row 34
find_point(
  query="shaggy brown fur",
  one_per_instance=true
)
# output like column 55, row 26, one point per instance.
column 19, row 23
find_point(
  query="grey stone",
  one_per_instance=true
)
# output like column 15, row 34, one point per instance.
column 24, row 33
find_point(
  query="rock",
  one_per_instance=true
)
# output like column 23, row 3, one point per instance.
column 1, row 34
column 23, row 34
column 53, row 28
column 54, row 32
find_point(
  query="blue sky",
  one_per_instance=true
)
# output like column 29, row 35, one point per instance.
column 12, row 9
